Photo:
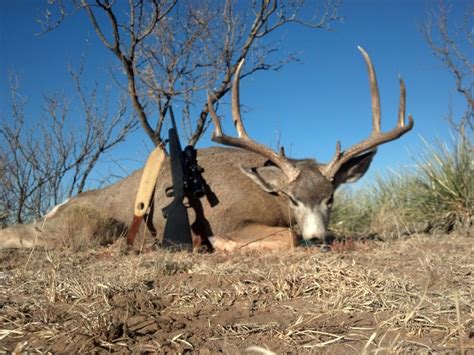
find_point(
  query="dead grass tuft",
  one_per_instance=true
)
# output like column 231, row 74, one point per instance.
column 81, row 228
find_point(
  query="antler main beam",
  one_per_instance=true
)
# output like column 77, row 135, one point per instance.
column 243, row 140
column 377, row 137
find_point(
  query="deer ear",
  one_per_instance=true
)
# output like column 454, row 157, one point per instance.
column 354, row 169
column 269, row 178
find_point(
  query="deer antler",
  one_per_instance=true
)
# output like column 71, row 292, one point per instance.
column 377, row 137
column 243, row 140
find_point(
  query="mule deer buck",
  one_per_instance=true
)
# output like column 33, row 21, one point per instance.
column 261, row 193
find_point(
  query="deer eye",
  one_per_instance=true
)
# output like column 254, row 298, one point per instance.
column 330, row 201
column 293, row 201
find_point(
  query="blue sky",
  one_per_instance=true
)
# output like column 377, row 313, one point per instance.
column 310, row 104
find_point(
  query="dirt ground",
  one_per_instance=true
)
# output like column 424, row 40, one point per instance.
column 413, row 295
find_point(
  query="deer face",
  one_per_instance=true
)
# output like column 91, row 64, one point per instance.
column 311, row 195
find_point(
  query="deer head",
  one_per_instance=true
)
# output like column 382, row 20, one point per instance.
column 309, row 186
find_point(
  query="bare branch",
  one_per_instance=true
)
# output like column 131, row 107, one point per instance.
column 174, row 52
column 452, row 46
column 45, row 159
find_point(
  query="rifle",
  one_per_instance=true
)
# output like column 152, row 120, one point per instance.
column 187, row 182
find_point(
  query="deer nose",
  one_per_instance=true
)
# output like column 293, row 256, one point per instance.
column 314, row 233
column 313, row 227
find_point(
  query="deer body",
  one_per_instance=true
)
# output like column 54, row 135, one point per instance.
column 243, row 207
column 261, row 193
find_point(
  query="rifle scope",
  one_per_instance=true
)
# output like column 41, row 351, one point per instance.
column 193, row 181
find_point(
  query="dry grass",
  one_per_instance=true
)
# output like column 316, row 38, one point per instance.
column 82, row 227
column 410, row 295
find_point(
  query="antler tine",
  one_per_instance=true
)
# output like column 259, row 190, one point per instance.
column 374, row 92
column 236, row 117
column 401, row 108
column 216, row 120
column 377, row 137
column 243, row 140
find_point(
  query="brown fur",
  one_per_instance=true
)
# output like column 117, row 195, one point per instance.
column 242, row 211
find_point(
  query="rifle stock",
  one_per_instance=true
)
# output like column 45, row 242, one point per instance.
column 145, row 190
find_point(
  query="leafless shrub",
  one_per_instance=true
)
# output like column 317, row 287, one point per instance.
column 453, row 44
column 177, row 51
column 45, row 159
